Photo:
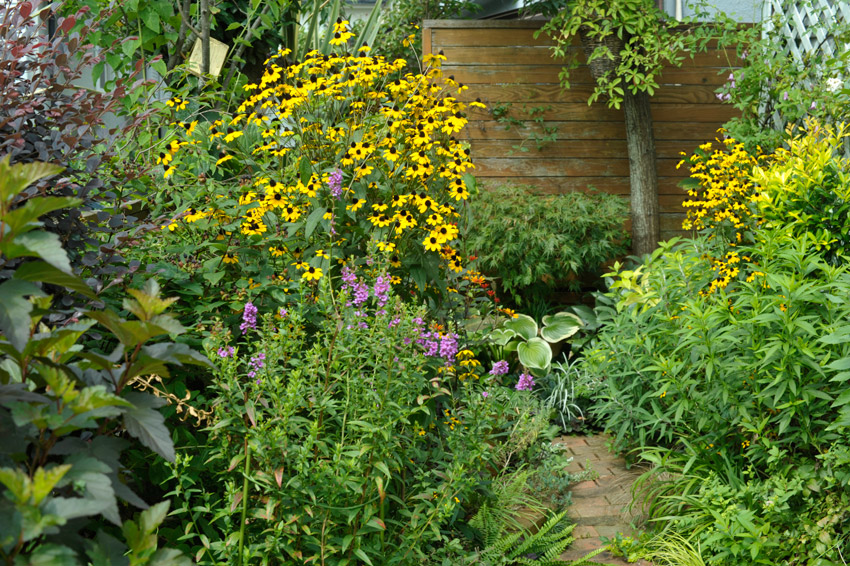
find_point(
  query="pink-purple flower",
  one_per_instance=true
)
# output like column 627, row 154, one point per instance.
column 500, row 368
column 525, row 383
column 335, row 183
column 249, row 318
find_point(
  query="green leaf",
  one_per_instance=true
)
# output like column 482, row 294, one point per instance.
column 362, row 556
column 313, row 221
column 306, row 169
column 115, row 324
column 34, row 208
column 39, row 243
column 49, row 554
column 45, row 273
column 535, row 354
column 18, row 483
column 15, row 311
column 501, row 336
column 560, row 326
column 14, row 179
column 151, row 19
column 523, row 325
column 43, row 481
column 160, row 67
column 144, row 422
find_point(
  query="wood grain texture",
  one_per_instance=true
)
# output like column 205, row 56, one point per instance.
column 584, row 130
column 512, row 72
column 565, row 111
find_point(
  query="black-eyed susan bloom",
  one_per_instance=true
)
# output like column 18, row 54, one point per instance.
column 312, row 273
column 432, row 243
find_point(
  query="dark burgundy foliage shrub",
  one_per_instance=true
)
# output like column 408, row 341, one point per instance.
column 45, row 115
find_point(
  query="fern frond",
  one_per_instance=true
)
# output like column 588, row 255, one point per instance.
column 585, row 560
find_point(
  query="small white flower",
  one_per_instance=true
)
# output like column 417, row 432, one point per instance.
column 833, row 84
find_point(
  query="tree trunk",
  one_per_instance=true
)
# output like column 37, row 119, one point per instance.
column 643, row 175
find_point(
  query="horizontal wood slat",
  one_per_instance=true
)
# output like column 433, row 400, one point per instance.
column 513, row 74
column 533, row 55
column 586, row 148
column 493, row 94
column 699, row 132
column 712, row 113
column 548, row 74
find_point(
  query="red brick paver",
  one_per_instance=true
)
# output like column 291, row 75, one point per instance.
column 601, row 505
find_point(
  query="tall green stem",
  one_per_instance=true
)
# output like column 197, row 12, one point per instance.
column 245, row 473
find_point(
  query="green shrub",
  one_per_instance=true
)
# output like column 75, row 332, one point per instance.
column 326, row 160
column 66, row 411
column 738, row 390
column 362, row 435
column 533, row 243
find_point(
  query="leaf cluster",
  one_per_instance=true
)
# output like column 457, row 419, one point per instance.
column 632, row 39
column 63, row 407
column 738, row 391
column 45, row 116
column 533, row 242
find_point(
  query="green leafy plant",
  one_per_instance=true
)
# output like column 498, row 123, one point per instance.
column 555, row 240
column 313, row 172
column 346, row 430
column 542, row 546
column 46, row 116
column 63, row 406
column 735, row 393
column 775, row 88
column 533, row 345
column 540, row 137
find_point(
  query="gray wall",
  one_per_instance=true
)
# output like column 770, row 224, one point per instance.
column 748, row 11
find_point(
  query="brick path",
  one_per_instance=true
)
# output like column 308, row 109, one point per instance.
column 600, row 506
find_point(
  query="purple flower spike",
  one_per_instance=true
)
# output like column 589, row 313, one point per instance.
column 249, row 318
column 500, row 368
column 525, row 383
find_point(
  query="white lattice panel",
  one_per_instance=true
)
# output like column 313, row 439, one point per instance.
column 800, row 30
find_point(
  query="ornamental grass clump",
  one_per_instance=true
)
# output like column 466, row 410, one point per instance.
column 324, row 158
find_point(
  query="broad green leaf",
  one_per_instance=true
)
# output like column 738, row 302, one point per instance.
column 15, row 311
column 45, row 273
column 43, row 481
column 39, row 243
column 557, row 328
column 17, row 482
column 106, row 550
column 49, row 554
column 34, row 208
column 501, row 336
column 313, row 221
column 152, row 518
column 306, row 169
column 14, row 179
column 169, row 557
column 523, row 325
column 151, row 19
column 535, row 353
column 144, row 422
column 115, row 324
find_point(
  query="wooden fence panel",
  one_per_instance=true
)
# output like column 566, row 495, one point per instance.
column 554, row 141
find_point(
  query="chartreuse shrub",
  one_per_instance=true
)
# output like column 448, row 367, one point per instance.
column 327, row 159
column 67, row 411
column 739, row 390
